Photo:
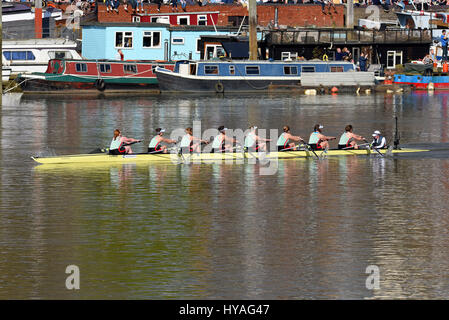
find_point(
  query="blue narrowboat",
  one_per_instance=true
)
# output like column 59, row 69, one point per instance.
column 238, row 76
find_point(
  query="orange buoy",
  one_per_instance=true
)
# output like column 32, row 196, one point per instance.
column 445, row 67
column 334, row 90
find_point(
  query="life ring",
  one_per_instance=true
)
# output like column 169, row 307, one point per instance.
column 100, row 85
column 325, row 57
column 219, row 88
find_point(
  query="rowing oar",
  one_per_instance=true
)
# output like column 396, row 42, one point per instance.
column 310, row 148
column 106, row 150
column 374, row 148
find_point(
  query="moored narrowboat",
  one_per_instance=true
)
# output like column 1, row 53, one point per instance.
column 421, row 82
column 101, row 75
column 238, row 76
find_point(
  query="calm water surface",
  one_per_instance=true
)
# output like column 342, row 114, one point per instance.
column 223, row 231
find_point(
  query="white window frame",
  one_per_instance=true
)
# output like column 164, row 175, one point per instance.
column 395, row 54
column 81, row 64
column 197, row 51
column 177, row 43
column 287, row 55
column 123, row 39
column 136, row 18
column 302, row 69
column 211, row 65
column 252, row 74
column 178, row 18
column 157, row 17
column 104, row 64
column 198, row 19
column 152, row 39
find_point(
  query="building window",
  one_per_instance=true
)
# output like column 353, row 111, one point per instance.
column 151, row 39
column 254, row 70
column 19, row 55
column 198, row 45
column 210, row 69
column 202, row 20
column 236, row 21
column 336, row 69
column 124, row 39
column 136, row 19
column 130, row 68
column 105, row 68
column 307, row 69
column 81, row 67
column 393, row 58
column 183, row 20
column 289, row 55
column 289, row 70
column 232, row 70
column 177, row 40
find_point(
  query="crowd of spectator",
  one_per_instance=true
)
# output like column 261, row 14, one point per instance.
column 330, row 3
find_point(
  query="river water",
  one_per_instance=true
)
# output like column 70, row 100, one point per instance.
column 220, row 230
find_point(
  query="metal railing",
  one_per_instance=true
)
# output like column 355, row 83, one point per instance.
column 347, row 36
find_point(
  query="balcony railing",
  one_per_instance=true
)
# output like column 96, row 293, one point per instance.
column 342, row 36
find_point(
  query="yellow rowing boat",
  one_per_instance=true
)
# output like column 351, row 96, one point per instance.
column 202, row 157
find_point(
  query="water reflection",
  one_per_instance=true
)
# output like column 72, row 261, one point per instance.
column 219, row 230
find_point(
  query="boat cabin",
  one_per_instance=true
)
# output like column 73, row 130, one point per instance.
column 33, row 55
column 258, row 68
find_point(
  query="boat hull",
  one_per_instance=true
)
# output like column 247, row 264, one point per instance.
column 422, row 82
column 177, row 158
column 29, row 84
column 171, row 82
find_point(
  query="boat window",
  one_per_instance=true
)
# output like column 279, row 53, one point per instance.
column 130, row 68
column 151, row 39
column 210, row 69
column 60, row 55
column 290, row 70
column 124, row 39
column 81, row 67
column 252, row 69
column 19, row 55
column 308, row 69
column 231, row 70
column 336, row 69
column 105, row 68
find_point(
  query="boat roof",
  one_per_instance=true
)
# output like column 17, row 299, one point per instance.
column 313, row 61
column 14, row 7
column 38, row 43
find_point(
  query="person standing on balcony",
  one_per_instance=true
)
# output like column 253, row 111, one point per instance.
column 443, row 40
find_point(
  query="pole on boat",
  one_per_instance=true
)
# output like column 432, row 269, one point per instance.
column 1, row 46
column 252, row 10
column 38, row 19
column 350, row 14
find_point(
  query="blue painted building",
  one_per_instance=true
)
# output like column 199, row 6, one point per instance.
column 149, row 41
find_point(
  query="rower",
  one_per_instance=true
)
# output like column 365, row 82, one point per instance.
column 118, row 144
column 253, row 142
column 348, row 139
column 189, row 143
column 318, row 140
column 219, row 143
column 379, row 142
column 283, row 141
column 156, row 146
